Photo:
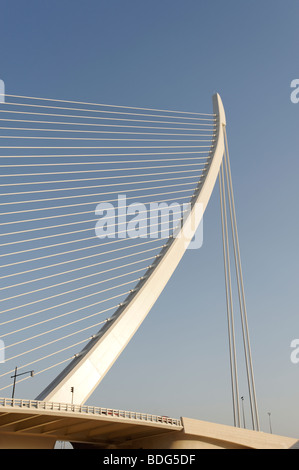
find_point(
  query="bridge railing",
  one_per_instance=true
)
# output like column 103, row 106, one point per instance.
column 86, row 409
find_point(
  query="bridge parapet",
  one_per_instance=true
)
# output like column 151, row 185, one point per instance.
column 16, row 403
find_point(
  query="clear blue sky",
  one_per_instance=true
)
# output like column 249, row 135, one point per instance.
column 175, row 54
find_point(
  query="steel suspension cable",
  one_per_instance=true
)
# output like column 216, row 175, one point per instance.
column 98, row 163
column 107, row 118
column 93, row 132
column 105, row 105
column 7, row 103
column 36, row 121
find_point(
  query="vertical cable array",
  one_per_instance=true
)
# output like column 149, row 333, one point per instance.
column 229, row 303
column 226, row 182
column 241, row 292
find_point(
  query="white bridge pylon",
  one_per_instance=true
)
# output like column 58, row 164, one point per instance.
column 88, row 368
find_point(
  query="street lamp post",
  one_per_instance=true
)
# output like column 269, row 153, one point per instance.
column 270, row 425
column 31, row 372
column 72, row 392
column 242, row 398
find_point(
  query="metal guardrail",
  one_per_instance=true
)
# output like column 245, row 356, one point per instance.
column 89, row 410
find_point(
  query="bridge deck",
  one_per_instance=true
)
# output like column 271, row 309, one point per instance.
column 37, row 424
column 76, row 423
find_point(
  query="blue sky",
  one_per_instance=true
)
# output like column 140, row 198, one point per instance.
column 175, row 54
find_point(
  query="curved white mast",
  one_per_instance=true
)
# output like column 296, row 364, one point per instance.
column 86, row 370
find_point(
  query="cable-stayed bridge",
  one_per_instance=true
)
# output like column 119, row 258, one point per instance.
column 98, row 205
